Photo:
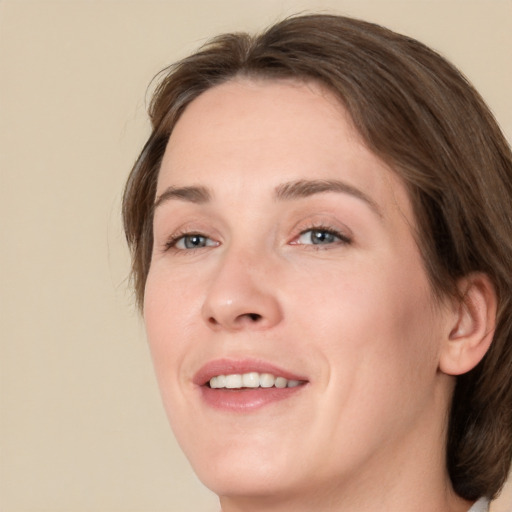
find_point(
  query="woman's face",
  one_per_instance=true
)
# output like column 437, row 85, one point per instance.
column 284, row 254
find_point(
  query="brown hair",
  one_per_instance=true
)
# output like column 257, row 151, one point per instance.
column 420, row 115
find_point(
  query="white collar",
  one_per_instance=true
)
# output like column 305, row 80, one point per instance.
column 482, row 505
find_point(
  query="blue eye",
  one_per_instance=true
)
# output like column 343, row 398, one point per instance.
column 321, row 236
column 191, row 241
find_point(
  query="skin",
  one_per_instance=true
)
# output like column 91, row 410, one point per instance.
column 354, row 315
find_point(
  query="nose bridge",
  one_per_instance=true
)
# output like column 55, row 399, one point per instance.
column 241, row 294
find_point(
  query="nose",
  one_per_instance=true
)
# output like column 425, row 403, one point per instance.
column 242, row 296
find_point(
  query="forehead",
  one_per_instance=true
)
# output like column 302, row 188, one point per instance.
column 266, row 132
column 290, row 100
column 261, row 108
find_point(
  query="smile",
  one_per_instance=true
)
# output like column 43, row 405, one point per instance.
column 251, row 380
column 246, row 385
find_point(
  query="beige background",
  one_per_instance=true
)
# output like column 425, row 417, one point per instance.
column 82, row 428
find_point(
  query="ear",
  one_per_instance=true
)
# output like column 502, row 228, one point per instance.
column 472, row 325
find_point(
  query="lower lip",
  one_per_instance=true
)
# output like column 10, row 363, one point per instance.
column 246, row 399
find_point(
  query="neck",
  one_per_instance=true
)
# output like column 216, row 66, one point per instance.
column 337, row 500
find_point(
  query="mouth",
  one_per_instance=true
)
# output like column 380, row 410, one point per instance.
column 251, row 380
column 245, row 385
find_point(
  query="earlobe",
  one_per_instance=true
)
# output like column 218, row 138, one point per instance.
column 472, row 328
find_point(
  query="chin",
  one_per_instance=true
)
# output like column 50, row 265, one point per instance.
column 244, row 470
column 249, row 482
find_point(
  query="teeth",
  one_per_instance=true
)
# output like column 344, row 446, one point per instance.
column 251, row 380
column 218, row 382
column 281, row 382
column 267, row 380
column 233, row 381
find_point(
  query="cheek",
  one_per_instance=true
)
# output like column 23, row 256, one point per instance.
column 170, row 302
column 170, row 314
column 377, row 317
column 169, row 309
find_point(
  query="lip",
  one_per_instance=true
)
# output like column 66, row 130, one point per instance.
column 231, row 366
column 244, row 400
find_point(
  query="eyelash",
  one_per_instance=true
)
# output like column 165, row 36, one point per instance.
column 341, row 239
column 173, row 241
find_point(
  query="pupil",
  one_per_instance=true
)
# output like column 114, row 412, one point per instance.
column 320, row 237
column 194, row 241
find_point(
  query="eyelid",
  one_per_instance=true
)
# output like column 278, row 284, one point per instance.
column 318, row 221
column 175, row 223
column 208, row 242
column 340, row 238
column 179, row 236
column 166, row 237
column 323, row 223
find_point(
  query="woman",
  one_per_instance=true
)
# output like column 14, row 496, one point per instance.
column 321, row 231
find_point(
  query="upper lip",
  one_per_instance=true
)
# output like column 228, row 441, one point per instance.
column 240, row 366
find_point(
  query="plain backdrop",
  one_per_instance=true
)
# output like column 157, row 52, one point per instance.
column 82, row 427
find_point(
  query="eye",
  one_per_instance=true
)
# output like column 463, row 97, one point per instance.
column 321, row 236
column 189, row 241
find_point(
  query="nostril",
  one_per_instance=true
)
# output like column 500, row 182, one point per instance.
column 250, row 317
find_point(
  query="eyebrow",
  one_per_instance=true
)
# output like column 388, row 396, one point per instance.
column 306, row 188
column 192, row 194
column 284, row 192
